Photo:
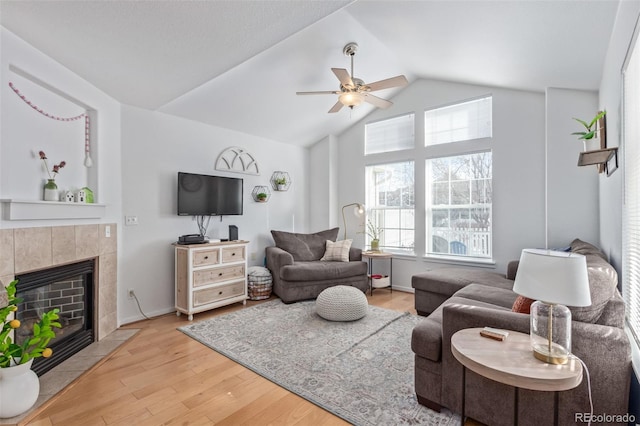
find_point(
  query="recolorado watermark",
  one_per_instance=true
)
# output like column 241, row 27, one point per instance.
column 604, row 418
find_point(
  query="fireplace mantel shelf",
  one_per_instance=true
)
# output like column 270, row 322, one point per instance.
column 49, row 210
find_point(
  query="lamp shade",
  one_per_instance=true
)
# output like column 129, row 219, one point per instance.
column 351, row 99
column 553, row 277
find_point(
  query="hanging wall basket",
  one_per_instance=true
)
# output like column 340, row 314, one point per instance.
column 280, row 181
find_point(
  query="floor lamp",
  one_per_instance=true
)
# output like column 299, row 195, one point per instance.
column 554, row 279
column 358, row 211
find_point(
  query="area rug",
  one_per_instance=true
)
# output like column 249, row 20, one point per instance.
column 361, row 371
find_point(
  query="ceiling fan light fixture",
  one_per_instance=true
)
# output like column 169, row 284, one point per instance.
column 351, row 99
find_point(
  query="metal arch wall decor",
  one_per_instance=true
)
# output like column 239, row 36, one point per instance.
column 236, row 159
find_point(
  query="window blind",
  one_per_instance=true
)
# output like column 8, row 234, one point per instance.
column 631, row 207
column 459, row 122
column 392, row 134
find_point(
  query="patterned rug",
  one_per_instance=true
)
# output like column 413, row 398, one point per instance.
column 361, row 371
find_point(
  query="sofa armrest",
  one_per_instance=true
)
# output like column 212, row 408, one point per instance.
column 355, row 254
column 276, row 259
column 457, row 317
column 512, row 268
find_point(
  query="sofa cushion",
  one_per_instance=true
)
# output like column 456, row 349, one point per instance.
column 317, row 271
column 603, row 282
column 304, row 247
column 484, row 293
column 337, row 251
column 447, row 281
column 582, row 247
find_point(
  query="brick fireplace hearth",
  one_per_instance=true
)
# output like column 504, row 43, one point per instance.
column 31, row 249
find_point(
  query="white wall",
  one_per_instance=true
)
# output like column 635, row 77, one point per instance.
column 519, row 169
column 24, row 131
column 572, row 192
column 155, row 146
column 323, row 184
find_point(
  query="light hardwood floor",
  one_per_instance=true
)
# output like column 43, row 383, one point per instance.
column 163, row 377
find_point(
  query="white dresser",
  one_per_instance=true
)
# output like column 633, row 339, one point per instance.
column 210, row 275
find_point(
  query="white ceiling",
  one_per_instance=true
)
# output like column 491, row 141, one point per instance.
column 238, row 64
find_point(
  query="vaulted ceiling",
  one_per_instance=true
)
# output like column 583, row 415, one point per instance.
column 238, row 64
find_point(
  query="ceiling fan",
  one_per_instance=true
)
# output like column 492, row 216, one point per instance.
column 353, row 91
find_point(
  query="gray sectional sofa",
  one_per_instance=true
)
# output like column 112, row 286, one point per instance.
column 299, row 274
column 454, row 300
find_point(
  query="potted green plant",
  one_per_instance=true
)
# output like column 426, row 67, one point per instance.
column 262, row 197
column 281, row 183
column 16, row 360
column 374, row 232
column 590, row 131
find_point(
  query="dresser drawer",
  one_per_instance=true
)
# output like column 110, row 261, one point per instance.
column 215, row 275
column 210, row 295
column 232, row 254
column 206, row 257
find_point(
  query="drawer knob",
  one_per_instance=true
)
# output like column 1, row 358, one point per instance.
column 220, row 274
column 220, row 293
column 233, row 254
column 206, row 257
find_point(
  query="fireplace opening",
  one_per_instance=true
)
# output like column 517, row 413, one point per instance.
column 68, row 288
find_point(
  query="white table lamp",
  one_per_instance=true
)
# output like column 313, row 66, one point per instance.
column 553, row 279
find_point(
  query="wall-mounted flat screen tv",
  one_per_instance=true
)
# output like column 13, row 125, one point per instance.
column 204, row 195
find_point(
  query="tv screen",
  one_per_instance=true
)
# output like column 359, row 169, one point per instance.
column 204, row 195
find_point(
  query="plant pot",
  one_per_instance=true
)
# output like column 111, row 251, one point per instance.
column 375, row 245
column 591, row 144
column 19, row 387
column 51, row 191
column 281, row 187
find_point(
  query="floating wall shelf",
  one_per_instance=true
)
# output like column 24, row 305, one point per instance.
column 600, row 157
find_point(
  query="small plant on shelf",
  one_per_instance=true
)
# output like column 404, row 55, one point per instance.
column 262, row 197
column 589, row 132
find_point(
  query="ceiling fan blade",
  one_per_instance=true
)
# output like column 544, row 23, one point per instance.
column 397, row 81
column 343, row 76
column 324, row 92
column 337, row 107
column 379, row 102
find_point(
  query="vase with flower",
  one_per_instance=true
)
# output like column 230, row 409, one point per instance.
column 51, row 188
column 19, row 385
column 374, row 232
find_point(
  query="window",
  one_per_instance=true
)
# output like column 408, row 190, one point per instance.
column 393, row 134
column 459, row 194
column 391, row 204
column 631, row 207
column 459, row 122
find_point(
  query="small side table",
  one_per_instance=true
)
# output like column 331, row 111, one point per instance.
column 370, row 256
column 512, row 362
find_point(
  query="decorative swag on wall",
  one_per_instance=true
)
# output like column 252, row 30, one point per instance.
column 87, row 159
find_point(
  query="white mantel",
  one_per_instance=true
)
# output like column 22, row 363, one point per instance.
column 43, row 210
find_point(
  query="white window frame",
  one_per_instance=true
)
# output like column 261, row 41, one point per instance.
column 377, row 213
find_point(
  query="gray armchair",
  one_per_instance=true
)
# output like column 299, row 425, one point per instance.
column 299, row 274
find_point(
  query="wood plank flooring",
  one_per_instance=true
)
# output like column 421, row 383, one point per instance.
column 163, row 377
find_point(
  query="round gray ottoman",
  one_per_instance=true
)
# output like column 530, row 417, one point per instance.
column 342, row 303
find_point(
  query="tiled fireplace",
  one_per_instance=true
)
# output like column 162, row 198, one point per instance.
column 24, row 250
